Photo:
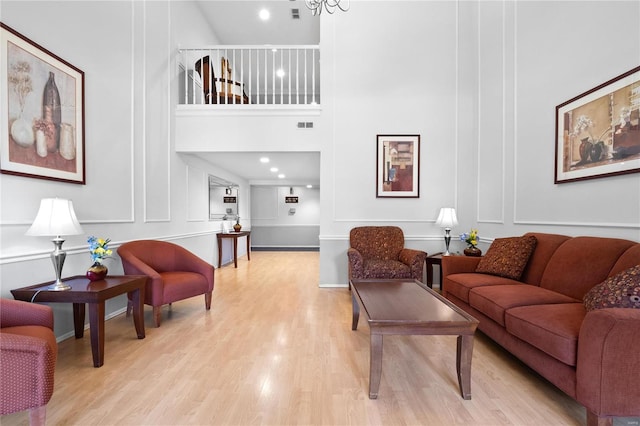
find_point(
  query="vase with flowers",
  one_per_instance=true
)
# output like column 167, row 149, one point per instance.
column 237, row 227
column 471, row 238
column 99, row 250
column 19, row 78
column 591, row 149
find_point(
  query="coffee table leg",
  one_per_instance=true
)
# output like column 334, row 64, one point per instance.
column 138, row 312
column 463, row 364
column 356, row 312
column 96, row 326
column 375, row 365
column 78, row 320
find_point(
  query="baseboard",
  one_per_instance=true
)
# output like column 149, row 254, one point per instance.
column 279, row 248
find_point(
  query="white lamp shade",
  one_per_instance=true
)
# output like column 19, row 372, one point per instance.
column 447, row 217
column 56, row 217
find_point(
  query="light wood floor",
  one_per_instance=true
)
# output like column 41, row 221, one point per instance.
column 277, row 350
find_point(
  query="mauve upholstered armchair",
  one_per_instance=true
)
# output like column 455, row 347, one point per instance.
column 174, row 273
column 379, row 252
column 28, row 353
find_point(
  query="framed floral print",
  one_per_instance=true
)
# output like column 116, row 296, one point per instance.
column 42, row 126
column 598, row 132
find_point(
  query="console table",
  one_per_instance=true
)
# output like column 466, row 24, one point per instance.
column 233, row 235
column 93, row 293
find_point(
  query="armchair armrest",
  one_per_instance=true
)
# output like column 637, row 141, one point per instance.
column 415, row 260
column 187, row 261
column 27, row 370
column 356, row 263
column 134, row 266
column 15, row 313
column 608, row 362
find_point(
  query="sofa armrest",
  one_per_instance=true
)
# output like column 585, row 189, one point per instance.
column 415, row 260
column 609, row 362
column 458, row 264
column 15, row 312
column 356, row 263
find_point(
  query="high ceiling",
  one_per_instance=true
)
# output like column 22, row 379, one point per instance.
column 237, row 22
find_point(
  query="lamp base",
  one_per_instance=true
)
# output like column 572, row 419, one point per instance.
column 447, row 240
column 59, row 286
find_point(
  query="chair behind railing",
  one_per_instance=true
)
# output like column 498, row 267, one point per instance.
column 240, row 75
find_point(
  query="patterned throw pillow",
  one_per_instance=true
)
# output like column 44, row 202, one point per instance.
column 507, row 257
column 619, row 291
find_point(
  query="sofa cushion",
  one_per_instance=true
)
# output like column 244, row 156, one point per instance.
column 546, row 245
column 507, row 257
column 582, row 262
column 620, row 291
column 493, row 301
column 553, row 328
column 380, row 268
column 460, row 284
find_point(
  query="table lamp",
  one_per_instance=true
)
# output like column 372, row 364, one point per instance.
column 55, row 218
column 447, row 219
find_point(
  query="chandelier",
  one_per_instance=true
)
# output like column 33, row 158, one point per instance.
column 329, row 5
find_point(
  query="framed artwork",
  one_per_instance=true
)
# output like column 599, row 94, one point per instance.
column 42, row 119
column 598, row 132
column 398, row 166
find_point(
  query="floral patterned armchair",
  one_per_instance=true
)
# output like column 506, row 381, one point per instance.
column 379, row 252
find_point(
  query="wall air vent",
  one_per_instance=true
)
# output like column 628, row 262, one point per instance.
column 305, row 124
column 295, row 13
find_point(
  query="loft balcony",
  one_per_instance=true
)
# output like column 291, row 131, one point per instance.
column 243, row 98
column 250, row 76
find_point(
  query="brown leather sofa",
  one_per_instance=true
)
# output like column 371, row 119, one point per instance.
column 28, row 352
column 540, row 318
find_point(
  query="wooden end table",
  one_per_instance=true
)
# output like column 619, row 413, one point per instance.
column 94, row 294
column 234, row 235
column 434, row 259
column 408, row 307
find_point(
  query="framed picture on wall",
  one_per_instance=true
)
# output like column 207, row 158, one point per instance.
column 398, row 166
column 598, row 132
column 42, row 119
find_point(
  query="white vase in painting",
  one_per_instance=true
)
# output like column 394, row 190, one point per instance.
column 67, row 141
column 22, row 132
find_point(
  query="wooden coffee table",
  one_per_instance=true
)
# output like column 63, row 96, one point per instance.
column 95, row 294
column 409, row 307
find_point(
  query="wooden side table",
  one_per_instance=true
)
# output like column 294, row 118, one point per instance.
column 234, row 235
column 434, row 259
column 93, row 293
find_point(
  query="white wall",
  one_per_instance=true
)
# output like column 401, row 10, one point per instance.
column 137, row 186
column 479, row 81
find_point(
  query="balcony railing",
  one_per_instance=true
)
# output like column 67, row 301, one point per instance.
column 250, row 75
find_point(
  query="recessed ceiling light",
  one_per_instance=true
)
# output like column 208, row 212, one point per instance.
column 280, row 73
column 281, row 176
column 264, row 159
column 309, row 186
column 274, row 169
column 265, row 14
